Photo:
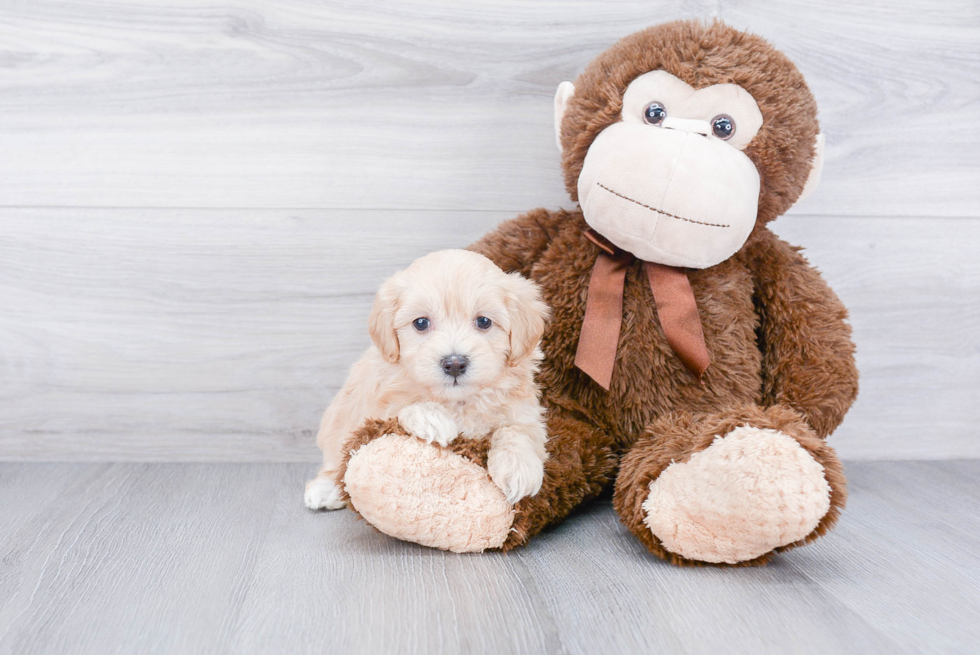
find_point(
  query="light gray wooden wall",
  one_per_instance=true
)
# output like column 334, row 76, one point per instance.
column 198, row 200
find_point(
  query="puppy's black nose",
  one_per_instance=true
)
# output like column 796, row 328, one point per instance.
column 455, row 365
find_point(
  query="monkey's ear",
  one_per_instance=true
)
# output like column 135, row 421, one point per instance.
column 565, row 91
column 816, row 169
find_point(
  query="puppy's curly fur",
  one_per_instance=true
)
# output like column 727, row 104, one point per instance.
column 422, row 316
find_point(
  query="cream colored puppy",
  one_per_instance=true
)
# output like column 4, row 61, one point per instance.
column 455, row 352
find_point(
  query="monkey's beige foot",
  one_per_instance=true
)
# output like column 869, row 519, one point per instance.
column 747, row 494
column 426, row 494
column 731, row 488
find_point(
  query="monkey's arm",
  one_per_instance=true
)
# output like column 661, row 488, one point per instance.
column 518, row 243
column 807, row 352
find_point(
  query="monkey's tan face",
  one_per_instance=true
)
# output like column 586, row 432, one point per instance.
column 670, row 183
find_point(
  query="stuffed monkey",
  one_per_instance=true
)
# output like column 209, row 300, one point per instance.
column 695, row 361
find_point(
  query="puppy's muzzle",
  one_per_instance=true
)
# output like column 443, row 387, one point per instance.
column 454, row 365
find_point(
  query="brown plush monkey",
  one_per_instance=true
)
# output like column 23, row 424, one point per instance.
column 695, row 361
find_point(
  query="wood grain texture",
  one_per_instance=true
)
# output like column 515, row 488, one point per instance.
column 444, row 105
column 904, row 526
column 133, row 558
column 913, row 290
column 219, row 558
column 188, row 323
column 221, row 335
column 190, row 334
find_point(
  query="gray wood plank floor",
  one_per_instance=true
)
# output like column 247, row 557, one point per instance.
column 205, row 558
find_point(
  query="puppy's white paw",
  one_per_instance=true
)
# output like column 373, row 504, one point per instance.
column 429, row 422
column 323, row 493
column 517, row 471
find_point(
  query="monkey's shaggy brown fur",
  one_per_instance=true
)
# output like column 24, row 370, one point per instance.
column 781, row 353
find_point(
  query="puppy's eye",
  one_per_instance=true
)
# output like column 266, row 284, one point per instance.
column 421, row 324
column 483, row 323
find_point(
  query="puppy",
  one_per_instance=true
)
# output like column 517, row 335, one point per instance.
column 455, row 352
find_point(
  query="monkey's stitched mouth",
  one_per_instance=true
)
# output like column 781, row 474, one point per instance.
column 659, row 211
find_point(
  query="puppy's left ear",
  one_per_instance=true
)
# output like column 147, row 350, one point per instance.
column 528, row 315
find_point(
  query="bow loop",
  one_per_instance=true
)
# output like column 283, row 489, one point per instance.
column 676, row 309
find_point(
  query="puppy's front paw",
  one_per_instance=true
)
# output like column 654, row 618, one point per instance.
column 323, row 493
column 517, row 471
column 429, row 422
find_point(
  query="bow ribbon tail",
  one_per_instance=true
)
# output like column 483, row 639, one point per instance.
column 678, row 314
column 596, row 353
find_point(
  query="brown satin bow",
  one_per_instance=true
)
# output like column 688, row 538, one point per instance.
column 676, row 309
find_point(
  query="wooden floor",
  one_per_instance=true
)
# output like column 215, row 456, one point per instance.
column 197, row 204
column 210, row 558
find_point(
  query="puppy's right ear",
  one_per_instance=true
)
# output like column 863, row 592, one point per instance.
column 528, row 315
column 381, row 323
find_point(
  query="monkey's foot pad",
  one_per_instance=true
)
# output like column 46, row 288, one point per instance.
column 428, row 495
column 750, row 492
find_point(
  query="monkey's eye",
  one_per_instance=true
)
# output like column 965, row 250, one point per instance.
column 654, row 114
column 723, row 127
column 483, row 322
column 421, row 324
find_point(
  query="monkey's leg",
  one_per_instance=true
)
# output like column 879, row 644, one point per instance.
column 729, row 488
column 443, row 497
column 581, row 462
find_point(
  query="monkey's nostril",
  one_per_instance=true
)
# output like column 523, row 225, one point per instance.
column 454, row 365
